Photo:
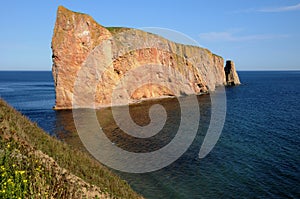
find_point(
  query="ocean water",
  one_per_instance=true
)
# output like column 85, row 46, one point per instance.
column 257, row 155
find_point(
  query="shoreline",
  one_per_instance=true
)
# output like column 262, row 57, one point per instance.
column 133, row 103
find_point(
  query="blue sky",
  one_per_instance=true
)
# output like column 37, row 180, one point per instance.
column 256, row 34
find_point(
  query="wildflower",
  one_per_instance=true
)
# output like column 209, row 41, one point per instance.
column 14, row 165
column 24, row 181
column 8, row 146
column 19, row 172
column 38, row 168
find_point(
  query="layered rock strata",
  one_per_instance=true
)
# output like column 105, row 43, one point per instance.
column 116, row 66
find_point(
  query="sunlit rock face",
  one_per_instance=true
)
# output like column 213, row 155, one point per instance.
column 231, row 75
column 94, row 66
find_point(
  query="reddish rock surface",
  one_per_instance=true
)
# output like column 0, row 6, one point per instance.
column 91, row 62
column 74, row 37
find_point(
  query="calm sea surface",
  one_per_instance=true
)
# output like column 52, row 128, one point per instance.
column 257, row 155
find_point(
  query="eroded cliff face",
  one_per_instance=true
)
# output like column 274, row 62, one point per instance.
column 91, row 61
column 74, row 37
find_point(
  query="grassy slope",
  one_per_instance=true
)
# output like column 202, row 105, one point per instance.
column 47, row 162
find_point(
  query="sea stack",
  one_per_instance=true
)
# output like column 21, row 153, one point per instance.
column 81, row 46
column 232, row 77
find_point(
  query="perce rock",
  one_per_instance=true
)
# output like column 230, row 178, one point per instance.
column 93, row 61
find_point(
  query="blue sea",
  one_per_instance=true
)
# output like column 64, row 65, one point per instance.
column 257, row 155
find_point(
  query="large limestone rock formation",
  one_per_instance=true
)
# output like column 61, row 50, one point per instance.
column 91, row 61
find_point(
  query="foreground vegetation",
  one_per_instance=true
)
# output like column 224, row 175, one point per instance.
column 36, row 165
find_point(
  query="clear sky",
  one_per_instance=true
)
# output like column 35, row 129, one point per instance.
column 256, row 34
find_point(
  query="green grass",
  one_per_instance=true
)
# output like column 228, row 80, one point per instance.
column 116, row 30
column 34, row 164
